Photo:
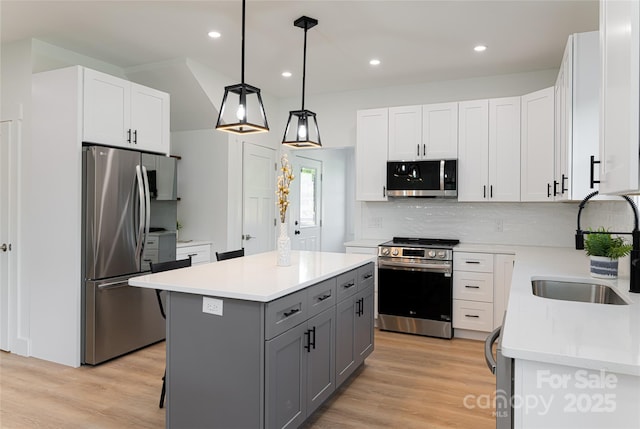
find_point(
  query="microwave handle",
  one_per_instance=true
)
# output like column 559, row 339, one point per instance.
column 442, row 174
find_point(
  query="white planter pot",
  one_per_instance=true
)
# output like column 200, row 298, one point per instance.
column 603, row 267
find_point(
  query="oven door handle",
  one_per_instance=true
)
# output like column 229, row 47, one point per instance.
column 432, row 268
column 488, row 349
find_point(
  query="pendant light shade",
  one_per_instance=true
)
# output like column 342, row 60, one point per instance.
column 302, row 126
column 242, row 110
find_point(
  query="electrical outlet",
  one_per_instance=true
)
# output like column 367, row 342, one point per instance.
column 499, row 225
column 212, row 306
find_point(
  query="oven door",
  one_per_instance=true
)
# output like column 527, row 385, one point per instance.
column 415, row 300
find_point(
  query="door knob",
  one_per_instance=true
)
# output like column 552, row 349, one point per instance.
column 4, row 247
column 296, row 232
column 247, row 237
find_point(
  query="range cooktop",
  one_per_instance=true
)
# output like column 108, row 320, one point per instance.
column 422, row 242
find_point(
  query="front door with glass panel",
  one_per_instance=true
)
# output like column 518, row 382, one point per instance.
column 306, row 201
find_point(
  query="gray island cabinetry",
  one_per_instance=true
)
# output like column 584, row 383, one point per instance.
column 252, row 345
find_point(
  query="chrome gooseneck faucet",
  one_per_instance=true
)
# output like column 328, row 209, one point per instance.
column 634, row 258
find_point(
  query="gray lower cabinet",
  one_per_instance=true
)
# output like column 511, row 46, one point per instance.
column 265, row 365
column 354, row 322
column 300, row 371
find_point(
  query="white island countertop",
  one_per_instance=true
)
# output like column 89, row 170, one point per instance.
column 594, row 336
column 254, row 277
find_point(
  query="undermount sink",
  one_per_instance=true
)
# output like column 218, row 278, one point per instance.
column 576, row 290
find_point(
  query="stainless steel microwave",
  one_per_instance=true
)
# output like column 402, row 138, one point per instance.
column 422, row 178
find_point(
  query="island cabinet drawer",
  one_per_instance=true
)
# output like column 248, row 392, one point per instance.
column 285, row 313
column 473, row 286
column 347, row 284
column 321, row 296
column 477, row 316
column 478, row 262
column 365, row 276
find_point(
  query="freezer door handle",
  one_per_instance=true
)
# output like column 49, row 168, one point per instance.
column 488, row 349
column 140, row 237
column 113, row 285
column 147, row 199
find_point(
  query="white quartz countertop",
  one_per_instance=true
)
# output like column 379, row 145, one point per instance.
column 594, row 336
column 254, row 277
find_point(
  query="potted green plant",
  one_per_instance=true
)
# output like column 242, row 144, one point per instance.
column 605, row 250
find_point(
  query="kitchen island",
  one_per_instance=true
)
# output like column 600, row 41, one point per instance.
column 576, row 364
column 254, row 345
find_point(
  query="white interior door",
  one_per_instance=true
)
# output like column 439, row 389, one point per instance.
column 306, row 204
column 8, row 219
column 259, row 210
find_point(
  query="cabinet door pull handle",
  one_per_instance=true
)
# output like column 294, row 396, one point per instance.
column 424, row 150
column 368, row 276
column 484, row 191
column 349, row 285
column 135, row 137
column 472, row 315
column 312, row 342
column 555, row 188
column 592, row 180
column 548, row 190
column 384, row 191
column 563, row 188
column 323, row 297
column 129, row 135
column 418, row 150
column 471, row 262
column 307, row 336
column 491, row 191
column 472, row 287
column 291, row 313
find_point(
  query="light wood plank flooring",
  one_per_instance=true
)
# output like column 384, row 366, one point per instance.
column 408, row 382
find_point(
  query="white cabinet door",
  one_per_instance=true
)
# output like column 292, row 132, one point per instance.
column 473, row 150
column 149, row 119
column 440, row 130
column 563, row 124
column 619, row 111
column 504, row 149
column 405, row 133
column 537, row 146
column 107, row 112
column 371, row 154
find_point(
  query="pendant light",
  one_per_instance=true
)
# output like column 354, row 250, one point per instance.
column 302, row 126
column 243, row 111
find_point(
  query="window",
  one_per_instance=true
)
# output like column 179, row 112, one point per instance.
column 308, row 189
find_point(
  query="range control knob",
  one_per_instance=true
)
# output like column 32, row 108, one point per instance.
column 441, row 254
column 394, row 252
column 384, row 251
column 432, row 253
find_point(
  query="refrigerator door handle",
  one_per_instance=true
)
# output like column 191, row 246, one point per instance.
column 147, row 208
column 141, row 225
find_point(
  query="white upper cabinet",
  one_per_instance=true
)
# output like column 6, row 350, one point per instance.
column 619, row 109
column 405, row 133
column 504, row 149
column 440, row 131
column 577, row 102
column 124, row 114
column 537, row 146
column 473, row 150
column 489, row 150
column 372, row 131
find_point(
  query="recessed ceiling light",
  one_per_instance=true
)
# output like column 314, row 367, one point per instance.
column 214, row 34
column 374, row 62
column 480, row 48
column 286, row 74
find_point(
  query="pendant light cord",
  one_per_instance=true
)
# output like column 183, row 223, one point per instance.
column 304, row 64
column 242, row 61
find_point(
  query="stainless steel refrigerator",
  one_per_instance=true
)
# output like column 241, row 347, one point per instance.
column 129, row 220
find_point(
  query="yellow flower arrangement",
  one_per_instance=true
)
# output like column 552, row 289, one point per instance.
column 284, row 181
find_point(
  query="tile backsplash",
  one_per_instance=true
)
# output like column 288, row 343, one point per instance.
column 539, row 224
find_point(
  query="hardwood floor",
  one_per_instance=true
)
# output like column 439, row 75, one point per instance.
column 408, row 382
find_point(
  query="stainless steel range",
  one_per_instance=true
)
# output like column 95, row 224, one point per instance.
column 415, row 286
